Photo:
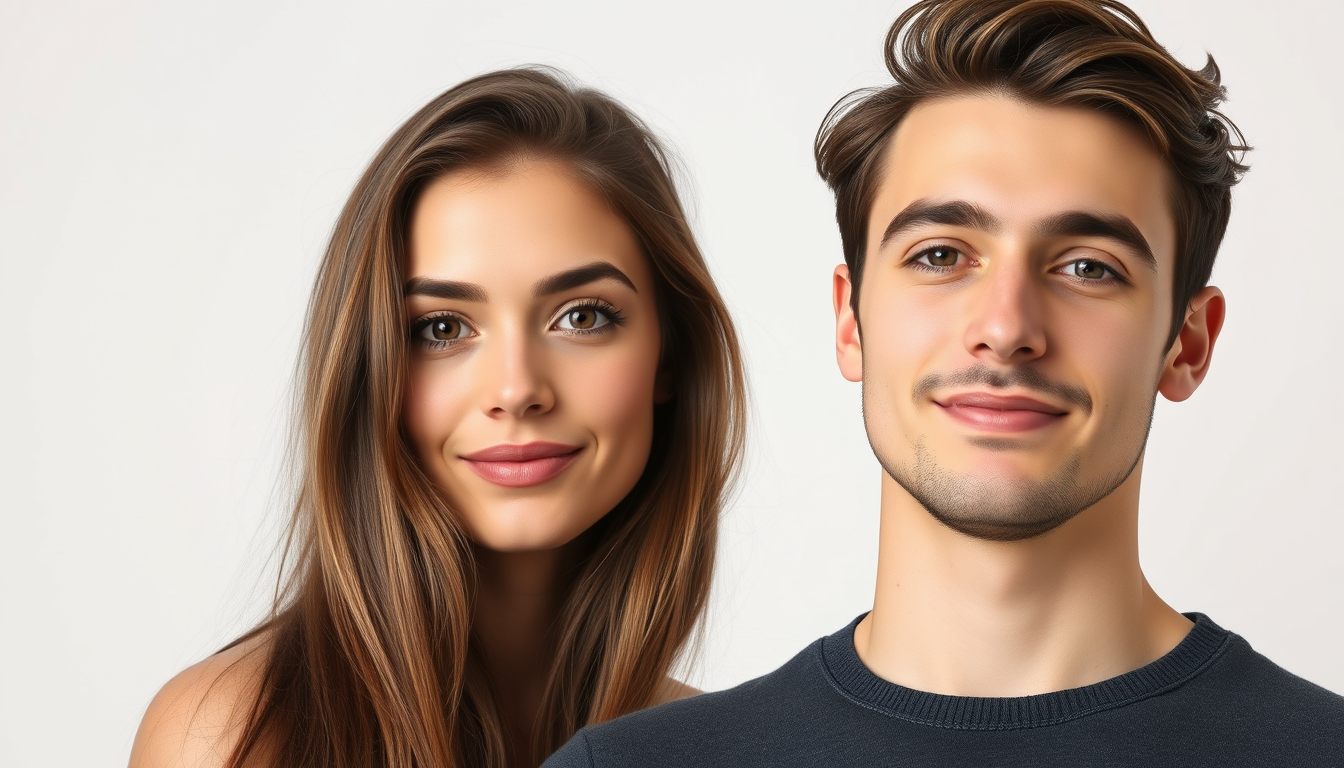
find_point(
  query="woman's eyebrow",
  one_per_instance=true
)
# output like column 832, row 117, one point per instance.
column 444, row 289
column 573, row 278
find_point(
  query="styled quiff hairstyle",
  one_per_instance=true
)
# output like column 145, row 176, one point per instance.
column 1095, row 54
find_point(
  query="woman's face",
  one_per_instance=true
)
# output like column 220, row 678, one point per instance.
column 534, row 346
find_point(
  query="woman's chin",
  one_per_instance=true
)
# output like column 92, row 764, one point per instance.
column 520, row 532
column 512, row 544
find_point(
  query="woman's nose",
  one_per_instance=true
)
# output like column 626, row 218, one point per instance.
column 520, row 382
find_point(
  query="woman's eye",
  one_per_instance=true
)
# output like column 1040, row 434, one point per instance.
column 1088, row 269
column 582, row 319
column 939, row 256
column 446, row 328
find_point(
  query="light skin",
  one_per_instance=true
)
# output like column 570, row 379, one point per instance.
column 1011, row 337
column 550, row 330
column 533, row 372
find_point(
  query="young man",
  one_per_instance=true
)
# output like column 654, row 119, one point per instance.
column 1029, row 215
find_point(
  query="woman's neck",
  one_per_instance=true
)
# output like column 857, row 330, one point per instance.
column 519, row 598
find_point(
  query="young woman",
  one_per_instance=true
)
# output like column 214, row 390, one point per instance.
column 522, row 404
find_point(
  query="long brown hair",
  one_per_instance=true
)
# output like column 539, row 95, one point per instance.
column 1095, row 54
column 371, row 660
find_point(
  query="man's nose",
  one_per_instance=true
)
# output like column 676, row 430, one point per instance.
column 1006, row 319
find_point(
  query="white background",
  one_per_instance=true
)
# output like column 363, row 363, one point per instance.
column 168, row 175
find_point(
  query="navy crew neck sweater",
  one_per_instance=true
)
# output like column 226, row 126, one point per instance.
column 1210, row 701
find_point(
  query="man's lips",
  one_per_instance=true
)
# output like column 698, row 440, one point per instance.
column 999, row 413
column 518, row 466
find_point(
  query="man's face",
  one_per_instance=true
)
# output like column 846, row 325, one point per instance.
column 1014, row 309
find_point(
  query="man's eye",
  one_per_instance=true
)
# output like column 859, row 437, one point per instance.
column 445, row 328
column 1088, row 269
column 939, row 256
column 582, row 319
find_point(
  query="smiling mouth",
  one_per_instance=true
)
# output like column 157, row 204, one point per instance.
column 520, row 466
column 988, row 412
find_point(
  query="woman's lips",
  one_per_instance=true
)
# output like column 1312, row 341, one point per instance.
column 997, row 413
column 519, row 466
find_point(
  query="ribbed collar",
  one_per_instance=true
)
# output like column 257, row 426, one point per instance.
column 1205, row 643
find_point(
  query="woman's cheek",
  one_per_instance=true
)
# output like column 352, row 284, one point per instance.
column 430, row 411
column 614, row 393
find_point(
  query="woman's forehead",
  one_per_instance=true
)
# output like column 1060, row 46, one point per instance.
column 515, row 225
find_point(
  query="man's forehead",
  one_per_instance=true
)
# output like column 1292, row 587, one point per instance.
column 1024, row 163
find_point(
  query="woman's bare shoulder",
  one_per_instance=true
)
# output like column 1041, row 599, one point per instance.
column 196, row 718
column 671, row 690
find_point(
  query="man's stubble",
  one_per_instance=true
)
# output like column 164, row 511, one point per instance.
column 1000, row 510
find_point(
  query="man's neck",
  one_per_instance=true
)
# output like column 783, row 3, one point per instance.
column 968, row 617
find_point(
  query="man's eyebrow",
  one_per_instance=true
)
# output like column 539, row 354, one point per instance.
column 1111, row 226
column 955, row 213
column 444, row 289
column 573, row 278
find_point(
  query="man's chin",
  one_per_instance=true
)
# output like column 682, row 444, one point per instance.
column 990, row 528
column 1000, row 499
column 1007, row 463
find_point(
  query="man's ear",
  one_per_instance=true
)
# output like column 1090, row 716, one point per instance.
column 1188, row 359
column 848, row 346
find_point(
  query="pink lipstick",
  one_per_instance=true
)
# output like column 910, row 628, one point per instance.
column 520, row 466
column 998, row 413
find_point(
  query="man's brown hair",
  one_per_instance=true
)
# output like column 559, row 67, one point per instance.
column 1077, row 53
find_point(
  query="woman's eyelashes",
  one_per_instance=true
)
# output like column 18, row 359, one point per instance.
column 586, row 317
column 440, row 330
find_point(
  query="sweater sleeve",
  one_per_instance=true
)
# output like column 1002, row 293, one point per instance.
column 576, row 753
